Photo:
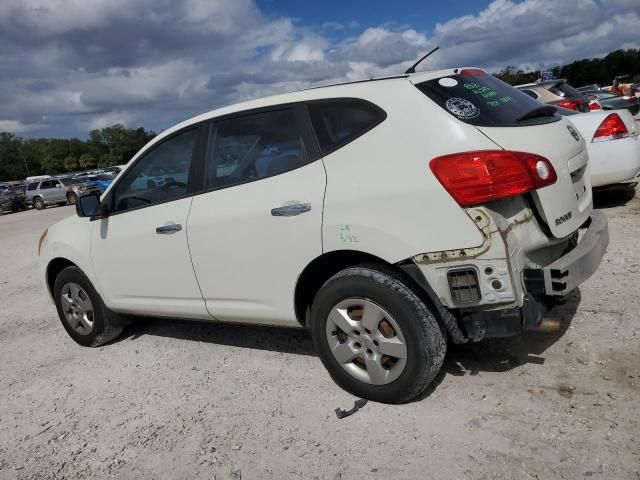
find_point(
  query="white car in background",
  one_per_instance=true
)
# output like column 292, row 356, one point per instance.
column 388, row 216
column 613, row 146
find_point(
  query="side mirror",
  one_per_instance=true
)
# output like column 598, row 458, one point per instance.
column 89, row 206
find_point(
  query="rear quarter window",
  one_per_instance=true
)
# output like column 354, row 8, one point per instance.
column 338, row 122
column 482, row 100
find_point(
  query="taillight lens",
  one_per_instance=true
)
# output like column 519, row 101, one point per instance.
column 595, row 106
column 611, row 128
column 477, row 177
column 571, row 104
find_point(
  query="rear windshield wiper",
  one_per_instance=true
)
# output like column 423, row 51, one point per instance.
column 541, row 111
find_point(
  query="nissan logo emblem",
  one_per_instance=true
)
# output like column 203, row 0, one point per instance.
column 573, row 133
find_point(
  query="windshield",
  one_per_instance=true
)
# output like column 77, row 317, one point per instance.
column 477, row 98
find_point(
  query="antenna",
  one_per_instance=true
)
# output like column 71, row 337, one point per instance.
column 412, row 69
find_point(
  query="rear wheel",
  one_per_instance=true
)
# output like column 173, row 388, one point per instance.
column 38, row 203
column 375, row 335
column 81, row 310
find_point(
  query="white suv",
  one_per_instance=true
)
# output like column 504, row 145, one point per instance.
column 388, row 216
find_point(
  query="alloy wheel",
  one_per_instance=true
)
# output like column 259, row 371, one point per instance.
column 77, row 308
column 366, row 341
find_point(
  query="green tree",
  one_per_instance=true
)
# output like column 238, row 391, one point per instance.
column 11, row 163
column 70, row 163
column 87, row 160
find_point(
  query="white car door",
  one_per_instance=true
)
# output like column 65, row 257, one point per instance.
column 139, row 251
column 260, row 223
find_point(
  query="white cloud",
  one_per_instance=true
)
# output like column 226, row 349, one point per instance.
column 16, row 126
column 84, row 64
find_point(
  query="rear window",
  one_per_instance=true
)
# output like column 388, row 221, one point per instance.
column 565, row 90
column 482, row 100
column 338, row 122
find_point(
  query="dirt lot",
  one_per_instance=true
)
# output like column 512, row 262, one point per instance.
column 191, row 400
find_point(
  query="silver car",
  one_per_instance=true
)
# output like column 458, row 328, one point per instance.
column 48, row 192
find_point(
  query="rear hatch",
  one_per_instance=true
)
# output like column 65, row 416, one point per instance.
column 500, row 112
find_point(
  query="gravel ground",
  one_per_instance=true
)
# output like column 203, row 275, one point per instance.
column 195, row 400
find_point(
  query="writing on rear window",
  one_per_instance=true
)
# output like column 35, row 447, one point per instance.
column 492, row 97
column 480, row 99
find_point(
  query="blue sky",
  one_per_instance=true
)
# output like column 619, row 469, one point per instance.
column 70, row 66
column 422, row 15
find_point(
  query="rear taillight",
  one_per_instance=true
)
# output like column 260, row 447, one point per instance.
column 573, row 104
column 611, row 128
column 472, row 178
column 595, row 106
column 630, row 98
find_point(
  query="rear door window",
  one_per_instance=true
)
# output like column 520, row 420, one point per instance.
column 32, row 186
column 255, row 146
column 477, row 98
column 338, row 122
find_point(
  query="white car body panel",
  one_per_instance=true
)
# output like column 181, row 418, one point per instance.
column 69, row 239
column 143, row 272
column 380, row 187
column 568, row 156
column 246, row 260
column 611, row 161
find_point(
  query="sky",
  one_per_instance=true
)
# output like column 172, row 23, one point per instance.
column 70, row 66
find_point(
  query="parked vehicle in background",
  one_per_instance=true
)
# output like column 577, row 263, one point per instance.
column 388, row 216
column 37, row 178
column 610, row 101
column 88, row 184
column 613, row 146
column 11, row 199
column 559, row 93
column 49, row 192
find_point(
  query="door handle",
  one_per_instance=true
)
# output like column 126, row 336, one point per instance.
column 169, row 229
column 291, row 210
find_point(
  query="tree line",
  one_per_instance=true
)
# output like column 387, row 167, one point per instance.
column 586, row 71
column 23, row 157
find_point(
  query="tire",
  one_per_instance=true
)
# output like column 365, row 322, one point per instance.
column 38, row 203
column 102, row 328
column 72, row 198
column 375, row 291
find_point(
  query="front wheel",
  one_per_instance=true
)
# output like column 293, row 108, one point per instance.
column 72, row 198
column 81, row 310
column 375, row 335
column 38, row 203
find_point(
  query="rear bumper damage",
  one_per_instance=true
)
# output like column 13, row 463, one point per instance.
column 572, row 269
column 557, row 279
column 533, row 272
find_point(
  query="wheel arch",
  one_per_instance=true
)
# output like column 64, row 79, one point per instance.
column 328, row 264
column 318, row 271
column 54, row 267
